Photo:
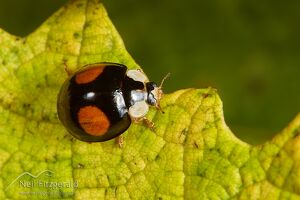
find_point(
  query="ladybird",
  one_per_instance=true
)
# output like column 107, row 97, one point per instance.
column 99, row 102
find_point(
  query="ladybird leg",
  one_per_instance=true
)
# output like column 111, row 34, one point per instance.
column 67, row 69
column 146, row 122
column 120, row 141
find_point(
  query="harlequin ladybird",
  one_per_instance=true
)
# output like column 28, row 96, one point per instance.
column 99, row 102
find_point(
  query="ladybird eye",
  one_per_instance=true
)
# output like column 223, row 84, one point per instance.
column 150, row 86
column 151, row 99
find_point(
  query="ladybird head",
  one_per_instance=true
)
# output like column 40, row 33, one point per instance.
column 155, row 92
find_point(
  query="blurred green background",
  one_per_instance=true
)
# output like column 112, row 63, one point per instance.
column 248, row 50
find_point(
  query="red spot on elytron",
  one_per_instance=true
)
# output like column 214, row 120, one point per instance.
column 89, row 75
column 93, row 121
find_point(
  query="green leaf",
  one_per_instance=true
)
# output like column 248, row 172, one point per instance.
column 191, row 155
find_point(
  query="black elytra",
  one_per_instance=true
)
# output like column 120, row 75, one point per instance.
column 93, row 103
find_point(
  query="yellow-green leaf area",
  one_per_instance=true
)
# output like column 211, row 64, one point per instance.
column 192, row 154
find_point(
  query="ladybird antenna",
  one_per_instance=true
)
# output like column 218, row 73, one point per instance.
column 160, row 92
column 159, row 108
column 163, row 80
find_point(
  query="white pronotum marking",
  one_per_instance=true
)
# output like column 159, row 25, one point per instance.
column 137, row 75
column 139, row 109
